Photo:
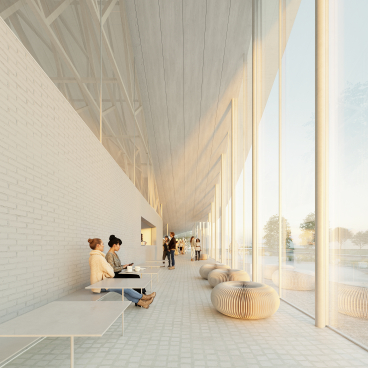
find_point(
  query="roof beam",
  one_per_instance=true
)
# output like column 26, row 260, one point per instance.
column 138, row 110
column 107, row 10
column 84, row 80
column 11, row 9
column 82, row 109
column 61, row 51
column 116, row 71
column 89, row 30
column 55, row 14
column 111, row 108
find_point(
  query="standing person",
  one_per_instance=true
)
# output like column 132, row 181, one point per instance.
column 172, row 247
column 198, row 249
column 192, row 248
column 166, row 252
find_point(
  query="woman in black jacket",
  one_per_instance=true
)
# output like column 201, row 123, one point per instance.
column 172, row 247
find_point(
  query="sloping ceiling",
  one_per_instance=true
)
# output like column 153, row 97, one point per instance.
column 190, row 56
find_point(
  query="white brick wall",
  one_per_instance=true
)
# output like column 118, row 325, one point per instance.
column 58, row 187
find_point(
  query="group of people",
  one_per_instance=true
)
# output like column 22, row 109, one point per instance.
column 171, row 247
column 195, row 246
column 109, row 266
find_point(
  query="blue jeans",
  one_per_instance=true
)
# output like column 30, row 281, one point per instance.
column 172, row 253
column 130, row 294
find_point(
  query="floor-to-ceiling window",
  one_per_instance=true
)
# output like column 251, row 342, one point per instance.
column 348, row 157
column 268, row 142
column 298, row 166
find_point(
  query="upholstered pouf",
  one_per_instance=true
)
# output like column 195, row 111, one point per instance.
column 353, row 300
column 208, row 267
column 203, row 257
column 245, row 300
column 268, row 270
column 294, row 280
column 217, row 276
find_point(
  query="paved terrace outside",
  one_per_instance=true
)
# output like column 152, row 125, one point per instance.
column 182, row 329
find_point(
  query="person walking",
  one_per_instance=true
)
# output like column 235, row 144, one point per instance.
column 192, row 248
column 166, row 252
column 198, row 249
column 172, row 248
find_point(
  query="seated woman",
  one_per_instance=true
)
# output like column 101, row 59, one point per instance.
column 100, row 270
column 113, row 259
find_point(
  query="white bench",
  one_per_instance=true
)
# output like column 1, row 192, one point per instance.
column 74, row 318
column 12, row 347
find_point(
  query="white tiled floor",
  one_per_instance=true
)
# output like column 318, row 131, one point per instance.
column 182, row 329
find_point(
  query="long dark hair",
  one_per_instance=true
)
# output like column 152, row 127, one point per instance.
column 191, row 239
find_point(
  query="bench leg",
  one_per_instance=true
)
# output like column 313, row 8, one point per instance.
column 122, row 322
column 71, row 351
column 122, row 316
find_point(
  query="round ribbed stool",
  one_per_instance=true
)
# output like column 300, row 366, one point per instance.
column 203, row 257
column 218, row 276
column 268, row 270
column 208, row 267
column 352, row 300
column 238, row 275
column 245, row 300
column 221, row 266
column 294, row 280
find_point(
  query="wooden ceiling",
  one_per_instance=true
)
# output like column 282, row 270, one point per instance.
column 189, row 56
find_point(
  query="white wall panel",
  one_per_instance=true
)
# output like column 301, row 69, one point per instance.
column 58, row 187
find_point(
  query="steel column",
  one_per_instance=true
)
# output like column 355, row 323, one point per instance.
column 321, row 100
column 254, row 144
column 234, row 123
column 223, row 209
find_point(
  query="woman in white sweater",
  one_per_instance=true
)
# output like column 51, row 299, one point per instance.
column 100, row 270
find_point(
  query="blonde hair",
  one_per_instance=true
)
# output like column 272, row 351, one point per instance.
column 94, row 242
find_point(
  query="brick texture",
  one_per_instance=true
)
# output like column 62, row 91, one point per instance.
column 58, row 187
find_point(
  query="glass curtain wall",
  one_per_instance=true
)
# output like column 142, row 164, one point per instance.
column 268, row 142
column 243, row 192
column 298, row 158
column 297, row 154
column 348, row 160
